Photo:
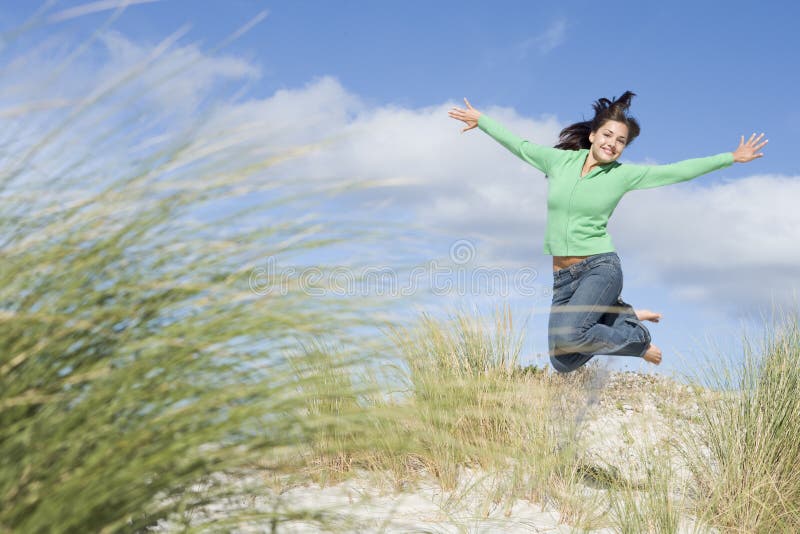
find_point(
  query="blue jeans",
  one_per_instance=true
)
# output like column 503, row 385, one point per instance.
column 588, row 317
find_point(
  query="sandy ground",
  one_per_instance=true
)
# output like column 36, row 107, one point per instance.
column 628, row 413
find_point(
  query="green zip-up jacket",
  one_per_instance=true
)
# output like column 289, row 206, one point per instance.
column 578, row 208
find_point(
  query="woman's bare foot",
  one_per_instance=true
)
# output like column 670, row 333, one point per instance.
column 653, row 354
column 647, row 315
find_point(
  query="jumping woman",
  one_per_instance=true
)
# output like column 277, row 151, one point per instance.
column 588, row 316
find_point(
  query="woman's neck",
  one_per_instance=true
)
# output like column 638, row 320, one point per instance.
column 589, row 164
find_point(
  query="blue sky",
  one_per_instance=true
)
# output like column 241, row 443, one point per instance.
column 381, row 75
column 704, row 71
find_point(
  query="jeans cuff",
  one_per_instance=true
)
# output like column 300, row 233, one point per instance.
column 647, row 337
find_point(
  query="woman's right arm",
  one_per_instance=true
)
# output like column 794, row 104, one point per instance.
column 541, row 157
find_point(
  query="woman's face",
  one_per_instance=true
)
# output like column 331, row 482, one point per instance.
column 609, row 141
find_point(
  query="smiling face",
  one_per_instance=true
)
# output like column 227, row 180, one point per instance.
column 609, row 141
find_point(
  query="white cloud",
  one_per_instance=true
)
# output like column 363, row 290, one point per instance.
column 107, row 104
column 180, row 77
column 321, row 109
column 553, row 37
column 517, row 51
column 176, row 76
column 731, row 242
column 736, row 239
column 457, row 184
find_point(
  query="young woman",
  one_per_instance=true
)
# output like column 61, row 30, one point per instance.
column 586, row 182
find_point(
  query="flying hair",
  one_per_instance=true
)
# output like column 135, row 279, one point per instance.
column 576, row 136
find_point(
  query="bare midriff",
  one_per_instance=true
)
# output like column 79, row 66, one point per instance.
column 562, row 262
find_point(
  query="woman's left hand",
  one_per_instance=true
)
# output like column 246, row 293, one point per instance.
column 750, row 150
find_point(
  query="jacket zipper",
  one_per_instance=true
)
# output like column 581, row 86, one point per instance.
column 569, row 214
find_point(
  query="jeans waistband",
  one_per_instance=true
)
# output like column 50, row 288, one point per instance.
column 586, row 264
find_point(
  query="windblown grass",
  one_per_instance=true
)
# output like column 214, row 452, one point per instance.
column 746, row 457
column 458, row 381
column 719, row 459
column 464, row 405
column 141, row 376
column 655, row 504
column 135, row 357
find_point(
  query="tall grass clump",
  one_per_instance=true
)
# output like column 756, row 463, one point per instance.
column 654, row 504
column 474, row 407
column 139, row 353
column 746, row 458
column 345, row 403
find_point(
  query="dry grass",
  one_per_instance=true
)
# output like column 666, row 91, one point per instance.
column 746, row 457
column 138, row 370
column 625, row 452
column 135, row 358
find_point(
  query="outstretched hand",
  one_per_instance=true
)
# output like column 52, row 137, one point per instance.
column 750, row 150
column 470, row 115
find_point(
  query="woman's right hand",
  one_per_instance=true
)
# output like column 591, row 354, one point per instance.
column 470, row 116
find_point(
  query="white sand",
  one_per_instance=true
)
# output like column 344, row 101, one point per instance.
column 628, row 415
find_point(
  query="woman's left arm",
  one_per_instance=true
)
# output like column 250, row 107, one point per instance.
column 649, row 176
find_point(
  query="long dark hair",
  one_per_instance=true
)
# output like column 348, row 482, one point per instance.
column 576, row 136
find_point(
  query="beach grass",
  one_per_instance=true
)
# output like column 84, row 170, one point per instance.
column 711, row 454
column 746, row 455
column 142, row 351
column 148, row 366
